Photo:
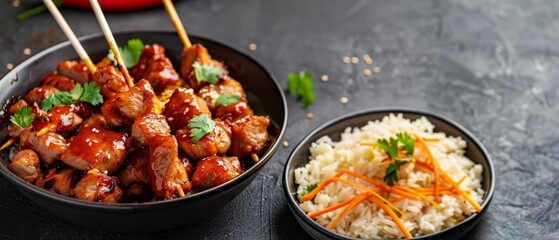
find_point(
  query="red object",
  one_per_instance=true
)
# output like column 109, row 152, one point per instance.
column 115, row 5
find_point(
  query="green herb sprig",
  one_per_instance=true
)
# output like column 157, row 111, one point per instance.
column 307, row 190
column 391, row 147
column 227, row 99
column 130, row 53
column 206, row 73
column 301, row 85
column 89, row 93
column 200, row 126
column 23, row 117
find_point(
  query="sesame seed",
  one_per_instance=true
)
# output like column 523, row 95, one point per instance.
column 310, row 116
column 344, row 100
column 324, row 78
column 27, row 51
column 367, row 72
column 9, row 66
column 354, row 60
column 15, row 3
column 345, row 59
column 285, row 144
column 252, row 47
column 376, row 69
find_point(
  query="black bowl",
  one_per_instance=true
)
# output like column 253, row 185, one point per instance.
column 264, row 94
column 300, row 157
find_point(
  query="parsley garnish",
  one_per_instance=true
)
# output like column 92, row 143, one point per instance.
column 23, row 117
column 200, row 126
column 391, row 147
column 307, row 190
column 89, row 93
column 301, row 85
column 130, row 53
column 206, row 73
column 227, row 99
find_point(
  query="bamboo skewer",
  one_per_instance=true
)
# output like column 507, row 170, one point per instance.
column 70, row 35
column 177, row 22
column 111, row 40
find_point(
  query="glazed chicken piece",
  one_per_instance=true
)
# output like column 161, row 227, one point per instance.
column 38, row 94
column 233, row 112
column 96, row 120
column 136, row 169
column 250, row 135
column 63, row 118
column 136, row 102
column 14, row 131
column 147, row 127
column 183, row 106
column 215, row 143
column 167, row 175
column 26, row 165
column 97, row 148
column 188, row 166
column 113, row 117
column 154, row 66
column 211, row 92
column 76, row 70
column 50, row 146
column 60, row 180
column 111, row 81
column 98, row 187
column 197, row 53
column 60, row 82
column 214, row 171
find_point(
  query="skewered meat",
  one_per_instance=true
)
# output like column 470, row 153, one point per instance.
column 26, row 165
column 96, row 120
column 97, row 148
column 138, row 192
column 190, row 55
column 183, row 106
column 213, row 171
column 59, row 82
column 215, row 143
column 188, row 166
column 166, row 173
column 63, row 119
column 76, row 70
column 154, row 66
column 136, row 102
column 98, row 187
column 50, row 146
column 112, row 115
column 211, row 92
column 60, row 180
column 147, row 127
column 233, row 112
column 136, row 168
column 111, row 81
column 16, row 106
column 39, row 94
column 249, row 135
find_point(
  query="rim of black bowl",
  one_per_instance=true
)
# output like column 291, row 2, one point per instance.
column 159, row 203
column 294, row 203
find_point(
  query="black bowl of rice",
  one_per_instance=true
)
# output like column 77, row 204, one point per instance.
column 343, row 181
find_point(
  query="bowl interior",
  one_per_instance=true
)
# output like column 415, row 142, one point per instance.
column 259, row 85
column 300, row 155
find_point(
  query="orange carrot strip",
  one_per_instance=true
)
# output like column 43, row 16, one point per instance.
column 352, row 205
column 315, row 191
column 423, row 145
column 336, row 206
column 398, row 200
column 375, row 183
column 431, row 139
column 461, row 180
column 420, row 195
column 368, row 144
column 448, row 179
column 393, row 215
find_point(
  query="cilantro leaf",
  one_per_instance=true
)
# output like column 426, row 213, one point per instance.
column 76, row 92
column 91, row 94
column 227, row 99
column 390, row 148
column 392, row 175
column 206, row 73
column 200, row 126
column 307, row 190
column 23, row 117
column 130, row 53
column 59, row 98
column 301, row 85
column 407, row 141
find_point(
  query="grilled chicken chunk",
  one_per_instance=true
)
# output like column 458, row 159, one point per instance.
column 38, row 94
column 97, row 148
column 214, row 171
column 154, row 66
column 215, row 143
column 136, row 102
column 195, row 53
column 60, row 180
column 136, row 169
column 98, row 187
column 166, row 173
column 147, row 127
column 60, row 82
column 211, row 92
column 183, row 106
column 112, row 115
column 250, row 135
column 233, row 112
column 76, row 70
column 50, row 146
column 63, row 118
column 26, row 165
column 111, row 81
column 96, row 120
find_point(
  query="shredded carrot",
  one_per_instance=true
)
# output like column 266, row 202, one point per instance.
column 420, row 195
column 398, row 200
column 461, row 180
column 315, row 191
column 368, row 144
column 393, row 215
column 436, row 169
column 333, row 207
column 376, row 183
column 352, row 205
column 431, row 139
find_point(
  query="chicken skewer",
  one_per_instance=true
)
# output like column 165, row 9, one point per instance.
column 177, row 22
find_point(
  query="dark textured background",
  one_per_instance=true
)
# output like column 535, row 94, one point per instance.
column 490, row 65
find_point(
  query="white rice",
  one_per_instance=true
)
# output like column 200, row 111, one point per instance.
column 367, row 220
